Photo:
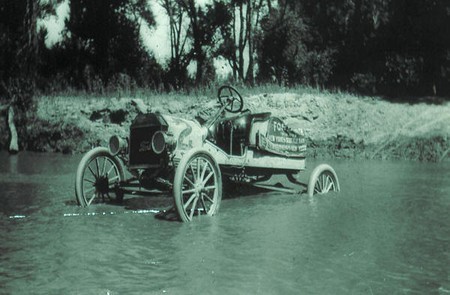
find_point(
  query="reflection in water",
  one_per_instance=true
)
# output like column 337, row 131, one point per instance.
column 13, row 164
column 386, row 232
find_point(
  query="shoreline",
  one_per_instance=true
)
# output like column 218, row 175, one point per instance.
column 336, row 125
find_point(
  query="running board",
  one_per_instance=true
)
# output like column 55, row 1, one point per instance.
column 277, row 188
column 281, row 185
column 142, row 192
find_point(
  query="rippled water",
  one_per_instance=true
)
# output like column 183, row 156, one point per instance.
column 386, row 232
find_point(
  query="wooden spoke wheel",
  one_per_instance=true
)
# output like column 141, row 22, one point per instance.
column 323, row 179
column 98, row 177
column 197, row 186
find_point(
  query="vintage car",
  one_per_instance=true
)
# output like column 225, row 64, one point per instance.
column 192, row 160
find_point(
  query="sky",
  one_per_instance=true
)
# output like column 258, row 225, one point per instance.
column 55, row 24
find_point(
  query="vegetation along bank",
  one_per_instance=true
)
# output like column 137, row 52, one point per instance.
column 337, row 125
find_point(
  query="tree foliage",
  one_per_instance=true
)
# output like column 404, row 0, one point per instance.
column 385, row 46
column 393, row 47
column 103, row 43
column 176, row 76
column 239, row 37
column 20, row 40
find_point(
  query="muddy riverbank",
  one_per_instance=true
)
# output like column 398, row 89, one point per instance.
column 336, row 125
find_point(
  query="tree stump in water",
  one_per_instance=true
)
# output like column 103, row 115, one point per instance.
column 13, row 145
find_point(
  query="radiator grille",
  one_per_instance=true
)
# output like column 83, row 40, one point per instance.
column 141, row 154
column 142, row 130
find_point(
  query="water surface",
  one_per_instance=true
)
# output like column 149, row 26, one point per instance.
column 386, row 232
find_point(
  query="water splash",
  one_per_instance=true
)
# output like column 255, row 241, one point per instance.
column 17, row 216
column 150, row 211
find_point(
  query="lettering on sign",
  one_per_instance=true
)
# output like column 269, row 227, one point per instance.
column 280, row 139
column 286, row 140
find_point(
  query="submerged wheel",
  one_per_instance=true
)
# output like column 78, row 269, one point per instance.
column 323, row 179
column 98, row 177
column 197, row 187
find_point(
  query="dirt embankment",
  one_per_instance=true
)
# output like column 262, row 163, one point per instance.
column 336, row 125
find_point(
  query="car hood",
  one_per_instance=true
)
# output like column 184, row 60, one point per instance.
column 188, row 134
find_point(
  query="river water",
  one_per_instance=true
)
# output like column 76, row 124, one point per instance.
column 386, row 232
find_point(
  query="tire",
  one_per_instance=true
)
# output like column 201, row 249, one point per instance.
column 322, row 180
column 97, row 175
column 197, row 187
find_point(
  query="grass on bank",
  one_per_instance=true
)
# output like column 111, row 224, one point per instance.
column 339, row 121
column 201, row 91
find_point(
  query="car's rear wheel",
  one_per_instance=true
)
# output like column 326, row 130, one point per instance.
column 323, row 179
column 197, row 187
column 98, row 176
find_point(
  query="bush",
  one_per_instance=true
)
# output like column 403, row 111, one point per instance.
column 364, row 82
column 403, row 70
column 317, row 68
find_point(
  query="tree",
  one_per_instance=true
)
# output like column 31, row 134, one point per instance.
column 291, row 51
column 21, row 45
column 204, row 22
column 19, row 42
column 178, row 33
column 19, row 49
column 240, row 36
column 418, row 59
column 104, row 38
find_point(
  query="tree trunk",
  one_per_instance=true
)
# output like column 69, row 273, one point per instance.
column 199, row 57
column 30, row 46
column 13, row 146
column 241, row 45
column 250, row 75
column 233, row 61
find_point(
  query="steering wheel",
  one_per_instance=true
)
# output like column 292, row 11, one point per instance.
column 230, row 98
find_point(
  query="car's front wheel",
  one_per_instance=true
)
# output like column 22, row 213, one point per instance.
column 98, row 174
column 197, row 187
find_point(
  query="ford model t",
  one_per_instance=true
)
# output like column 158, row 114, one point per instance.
column 192, row 160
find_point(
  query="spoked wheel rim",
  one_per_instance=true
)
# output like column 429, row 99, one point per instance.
column 198, row 188
column 325, row 183
column 98, row 177
column 323, row 180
